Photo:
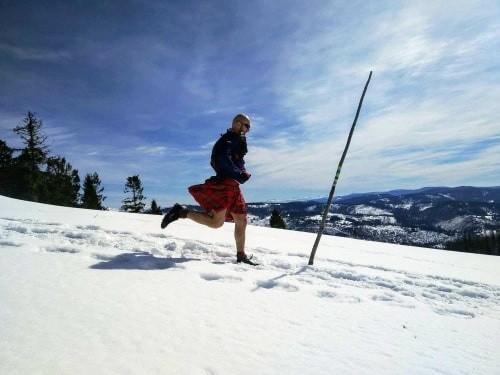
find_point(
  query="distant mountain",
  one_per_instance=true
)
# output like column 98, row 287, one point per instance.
column 429, row 216
column 356, row 195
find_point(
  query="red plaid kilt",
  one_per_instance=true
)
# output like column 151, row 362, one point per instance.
column 218, row 194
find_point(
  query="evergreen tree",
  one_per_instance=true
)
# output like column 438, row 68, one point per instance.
column 36, row 151
column 276, row 220
column 63, row 182
column 28, row 165
column 92, row 197
column 155, row 209
column 487, row 243
column 6, row 178
column 5, row 155
column 134, row 203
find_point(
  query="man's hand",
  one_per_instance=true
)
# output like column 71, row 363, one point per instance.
column 244, row 176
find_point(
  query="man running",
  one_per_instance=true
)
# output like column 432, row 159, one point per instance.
column 220, row 196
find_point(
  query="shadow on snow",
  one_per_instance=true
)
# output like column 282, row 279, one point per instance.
column 140, row 260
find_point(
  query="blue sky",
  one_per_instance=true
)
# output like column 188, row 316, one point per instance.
column 146, row 87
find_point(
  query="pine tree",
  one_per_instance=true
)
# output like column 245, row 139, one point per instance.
column 155, row 209
column 276, row 220
column 486, row 243
column 5, row 155
column 63, row 182
column 36, row 151
column 92, row 197
column 28, row 173
column 134, row 203
column 6, row 179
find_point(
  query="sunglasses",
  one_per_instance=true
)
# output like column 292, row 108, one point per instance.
column 247, row 125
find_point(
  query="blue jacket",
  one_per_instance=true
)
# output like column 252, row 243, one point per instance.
column 228, row 156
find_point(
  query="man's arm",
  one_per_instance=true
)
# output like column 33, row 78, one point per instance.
column 226, row 166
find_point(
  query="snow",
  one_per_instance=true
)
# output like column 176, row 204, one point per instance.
column 93, row 292
column 425, row 207
column 460, row 223
column 447, row 196
column 368, row 210
column 256, row 220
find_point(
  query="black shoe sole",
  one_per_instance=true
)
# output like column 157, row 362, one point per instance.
column 247, row 261
column 171, row 216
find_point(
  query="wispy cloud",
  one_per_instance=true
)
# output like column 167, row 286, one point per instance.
column 429, row 104
column 148, row 91
column 34, row 54
column 151, row 150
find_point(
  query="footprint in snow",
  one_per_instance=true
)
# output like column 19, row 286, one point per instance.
column 461, row 313
column 327, row 294
column 218, row 277
column 61, row 249
column 88, row 227
column 10, row 243
column 17, row 228
column 273, row 284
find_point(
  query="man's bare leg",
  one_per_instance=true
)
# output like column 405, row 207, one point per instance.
column 212, row 219
column 240, row 225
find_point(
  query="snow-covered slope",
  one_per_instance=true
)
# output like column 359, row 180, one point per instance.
column 92, row 292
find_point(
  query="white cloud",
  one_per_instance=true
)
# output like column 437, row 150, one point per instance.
column 34, row 54
column 151, row 150
column 151, row 101
column 430, row 101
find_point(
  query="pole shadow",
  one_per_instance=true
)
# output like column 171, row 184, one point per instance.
column 271, row 283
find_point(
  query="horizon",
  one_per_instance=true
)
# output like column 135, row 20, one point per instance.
column 303, row 199
column 124, row 89
column 406, row 192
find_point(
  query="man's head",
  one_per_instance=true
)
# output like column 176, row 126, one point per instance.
column 241, row 123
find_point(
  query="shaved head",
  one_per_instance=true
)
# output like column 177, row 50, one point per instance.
column 242, row 118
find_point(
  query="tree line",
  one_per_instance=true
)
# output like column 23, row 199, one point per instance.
column 31, row 173
column 488, row 243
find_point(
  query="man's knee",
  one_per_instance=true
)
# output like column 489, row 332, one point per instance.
column 239, row 219
column 218, row 223
column 218, row 219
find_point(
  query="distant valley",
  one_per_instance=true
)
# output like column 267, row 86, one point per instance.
column 427, row 217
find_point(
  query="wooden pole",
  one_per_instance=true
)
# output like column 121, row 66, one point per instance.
column 339, row 168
